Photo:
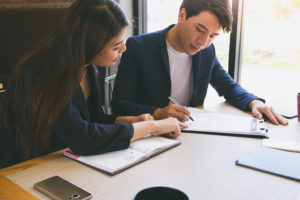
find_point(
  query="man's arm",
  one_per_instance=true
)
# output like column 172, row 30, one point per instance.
column 232, row 91
column 239, row 97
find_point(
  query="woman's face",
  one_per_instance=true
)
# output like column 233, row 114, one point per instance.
column 110, row 54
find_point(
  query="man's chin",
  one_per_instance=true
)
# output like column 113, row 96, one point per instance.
column 191, row 53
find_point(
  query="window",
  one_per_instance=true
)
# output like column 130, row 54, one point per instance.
column 271, row 53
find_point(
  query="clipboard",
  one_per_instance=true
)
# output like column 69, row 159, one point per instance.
column 208, row 122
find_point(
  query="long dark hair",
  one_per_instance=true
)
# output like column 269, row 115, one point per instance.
column 45, row 78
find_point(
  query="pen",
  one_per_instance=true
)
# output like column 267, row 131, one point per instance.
column 176, row 102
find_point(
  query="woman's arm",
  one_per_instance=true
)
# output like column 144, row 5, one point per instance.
column 145, row 124
column 169, row 126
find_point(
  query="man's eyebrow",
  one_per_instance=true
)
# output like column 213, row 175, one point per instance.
column 118, row 43
column 204, row 27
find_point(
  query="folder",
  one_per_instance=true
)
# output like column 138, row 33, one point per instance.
column 225, row 124
column 281, row 163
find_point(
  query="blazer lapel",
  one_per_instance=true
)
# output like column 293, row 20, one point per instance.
column 97, row 89
column 163, row 48
column 79, row 98
column 81, row 103
column 196, row 65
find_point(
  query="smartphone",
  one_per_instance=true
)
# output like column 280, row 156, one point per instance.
column 287, row 114
column 59, row 189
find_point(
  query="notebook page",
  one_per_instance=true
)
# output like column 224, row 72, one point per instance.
column 113, row 160
column 152, row 144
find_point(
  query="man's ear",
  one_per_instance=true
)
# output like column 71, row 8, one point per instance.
column 182, row 15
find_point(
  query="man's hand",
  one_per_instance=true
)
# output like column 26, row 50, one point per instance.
column 172, row 110
column 259, row 108
column 133, row 119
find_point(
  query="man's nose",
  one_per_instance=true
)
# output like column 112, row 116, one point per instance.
column 203, row 40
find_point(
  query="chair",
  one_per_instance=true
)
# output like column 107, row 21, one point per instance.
column 108, row 88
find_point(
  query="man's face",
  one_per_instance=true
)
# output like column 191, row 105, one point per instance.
column 198, row 32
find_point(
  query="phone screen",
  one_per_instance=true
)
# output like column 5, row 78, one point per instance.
column 59, row 189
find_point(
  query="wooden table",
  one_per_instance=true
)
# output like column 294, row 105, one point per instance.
column 203, row 166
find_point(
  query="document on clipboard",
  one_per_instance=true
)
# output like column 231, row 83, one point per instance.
column 225, row 124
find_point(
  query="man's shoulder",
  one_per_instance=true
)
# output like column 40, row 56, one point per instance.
column 208, row 53
column 148, row 38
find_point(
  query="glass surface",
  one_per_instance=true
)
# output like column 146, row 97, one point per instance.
column 271, row 54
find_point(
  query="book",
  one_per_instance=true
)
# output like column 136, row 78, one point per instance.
column 117, row 161
column 282, row 145
column 274, row 161
column 225, row 124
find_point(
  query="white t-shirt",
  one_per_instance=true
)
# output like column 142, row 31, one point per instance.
column 181, row 76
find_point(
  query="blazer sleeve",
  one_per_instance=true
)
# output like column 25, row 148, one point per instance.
column 124, row 101
column 107, row 119
column 87, row 138
column 227, row 87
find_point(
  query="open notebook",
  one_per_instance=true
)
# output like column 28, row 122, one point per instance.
column 117, row 161
column 225, row 124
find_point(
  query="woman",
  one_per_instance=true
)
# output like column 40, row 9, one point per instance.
column 54, row 98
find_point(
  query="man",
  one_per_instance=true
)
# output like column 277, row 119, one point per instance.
column 180, row 62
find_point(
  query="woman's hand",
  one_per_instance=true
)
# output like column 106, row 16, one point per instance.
column 170, row 126
column 133, row 119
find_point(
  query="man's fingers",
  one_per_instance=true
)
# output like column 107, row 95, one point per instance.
column 269, row 113
column 257, row 114
column 179, row 115
column 280, row 119
column 179, row 108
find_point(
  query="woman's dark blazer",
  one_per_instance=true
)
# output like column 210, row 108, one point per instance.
column 82, row 126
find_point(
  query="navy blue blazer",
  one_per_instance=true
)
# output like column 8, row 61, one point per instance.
column 82, row 126
column 143, row 81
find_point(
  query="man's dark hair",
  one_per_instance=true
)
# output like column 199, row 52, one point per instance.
column 220, row 8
